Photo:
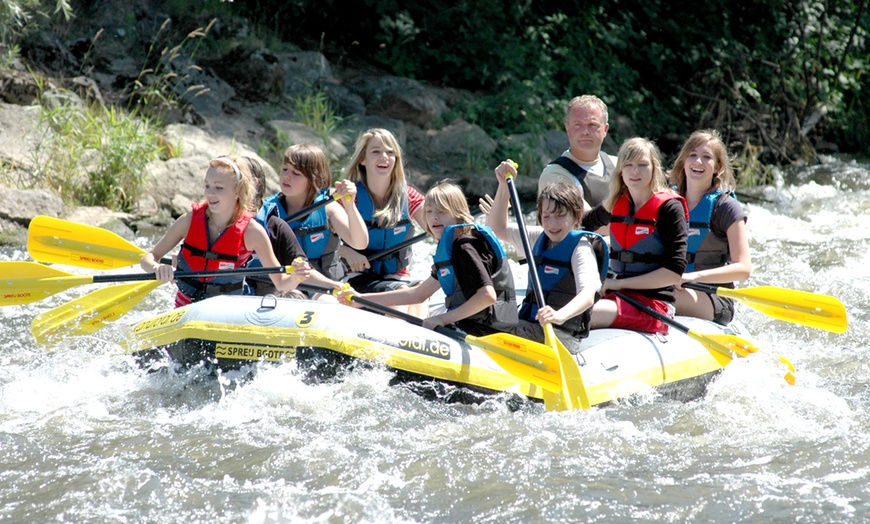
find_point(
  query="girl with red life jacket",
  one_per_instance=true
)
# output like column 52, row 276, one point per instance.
column 718, row 244
column 218, row 234
column 388, row 206
column 469, row 266
column 571, row 264
column 647, row 223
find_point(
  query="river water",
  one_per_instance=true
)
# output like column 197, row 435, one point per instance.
column 85, row 436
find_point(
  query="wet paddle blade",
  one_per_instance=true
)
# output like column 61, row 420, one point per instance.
column 26, row 282
column 800, row 307
column 573, row 394
column 90, row 313
column 60, row 241
column 527, row 360
column 724, row 347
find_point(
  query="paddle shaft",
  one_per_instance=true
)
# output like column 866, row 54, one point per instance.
column 652, row 312
column 365, row 302
column 310, row 209
column 527, row 248
column 405, row 243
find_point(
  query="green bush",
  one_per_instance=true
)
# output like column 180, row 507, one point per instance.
column 92, row 154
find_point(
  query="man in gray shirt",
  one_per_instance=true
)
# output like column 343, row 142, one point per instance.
column 583, row 163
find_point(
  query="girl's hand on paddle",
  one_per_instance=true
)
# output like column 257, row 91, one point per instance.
column 356, row 262
column 345, row 192
column 434, row 322
column 301, row 269
column 345, row 294
column 165, row 273
column 548, row 315
column 485, row 204
column 501, row 172
column 610, row 284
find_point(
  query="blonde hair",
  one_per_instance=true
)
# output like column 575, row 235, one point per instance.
column 241, row 173
column 587, row 101
column 390, row 214
column 311, row 161
column 723, row 178
column 447, row 197
column 633, row 150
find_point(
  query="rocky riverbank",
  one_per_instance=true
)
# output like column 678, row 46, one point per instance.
column 237, row 116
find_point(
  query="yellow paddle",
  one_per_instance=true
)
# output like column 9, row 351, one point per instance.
column 525, row 359
column 29, row 282
column 88, row 314
column 723, row 347
column 58, row 241
column 573, row 393
column 801, row 307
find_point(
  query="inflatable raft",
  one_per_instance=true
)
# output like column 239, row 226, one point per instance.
column 230, row 332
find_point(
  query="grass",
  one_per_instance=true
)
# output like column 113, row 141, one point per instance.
column 93, row 154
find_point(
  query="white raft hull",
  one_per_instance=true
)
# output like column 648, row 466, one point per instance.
column 233, row 331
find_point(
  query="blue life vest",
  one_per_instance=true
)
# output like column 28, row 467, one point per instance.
column 501, row 316
column 313, row 233
column 705, row 251
column 557, row 278
column 384, row 237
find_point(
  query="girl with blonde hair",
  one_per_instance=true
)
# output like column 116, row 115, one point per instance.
column 647, row 223
column 218, row 233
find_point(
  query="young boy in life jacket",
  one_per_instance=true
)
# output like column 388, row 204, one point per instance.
column 718, row 251
column 569, row 268
column 469, row 266
column 648, row 232
column 219, row 234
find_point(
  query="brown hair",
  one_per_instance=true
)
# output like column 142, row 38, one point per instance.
column 258, row 175
column 632, row 150
column 447, row 197
column 311, row 161
column 723, row 178
column 567, row 199
column 391, row 213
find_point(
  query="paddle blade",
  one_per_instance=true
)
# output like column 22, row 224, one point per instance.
column 26, row 282
column 573, row 394
column 724, row 347
column 63, row 242
column 90, row 313
column 527, row 360
column 800, row 307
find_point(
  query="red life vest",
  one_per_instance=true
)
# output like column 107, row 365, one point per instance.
column 227, row 252
column 635, row 245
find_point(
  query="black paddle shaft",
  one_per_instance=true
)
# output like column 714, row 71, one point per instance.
column 99, row 279
column 527, row 248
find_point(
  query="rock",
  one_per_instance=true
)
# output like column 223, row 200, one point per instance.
column 401, row 98
column 21, row 205
column 346, row 102
column 102, row 217
column 284, row 133
column 305, row 71
column 201, row 88
column 17, row 135
column 17, row 87
column 255, row 74
column 356, row 126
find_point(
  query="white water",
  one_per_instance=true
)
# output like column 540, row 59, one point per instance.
column 85, row 436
